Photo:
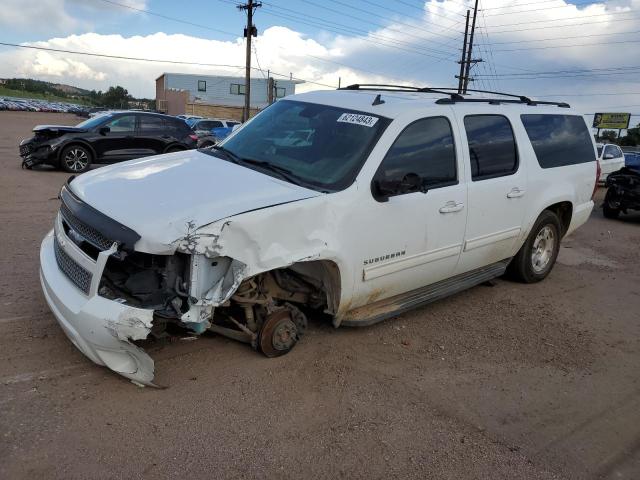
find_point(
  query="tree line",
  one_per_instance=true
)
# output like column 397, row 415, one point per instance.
column 114, row 97
column 631, row 139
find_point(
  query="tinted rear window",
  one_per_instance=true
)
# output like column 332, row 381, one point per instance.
column 492, row 147
column 559, row 140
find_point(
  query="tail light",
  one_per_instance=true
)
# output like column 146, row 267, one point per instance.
column 595, row 185
column 194, row 137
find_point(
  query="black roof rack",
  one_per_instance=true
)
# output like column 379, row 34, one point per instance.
column 454, row 96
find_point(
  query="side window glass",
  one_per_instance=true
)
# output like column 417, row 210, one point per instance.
column 426, row 149
column 150, row 123
column 492, row 146
column 610, row 150
column 558, row 140
column 126, row 123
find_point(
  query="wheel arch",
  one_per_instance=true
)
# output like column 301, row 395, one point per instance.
column 327, row 272
column 174, row 145
column 77, row 141
column 564, row 212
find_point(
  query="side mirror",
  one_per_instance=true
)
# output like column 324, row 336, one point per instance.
column 608, row 156
column 104, row 130
column 383, row 189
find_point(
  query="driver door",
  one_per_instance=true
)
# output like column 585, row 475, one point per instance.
column 119, row 142
column 413, row 235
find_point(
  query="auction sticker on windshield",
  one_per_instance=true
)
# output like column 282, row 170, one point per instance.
column 365, row 120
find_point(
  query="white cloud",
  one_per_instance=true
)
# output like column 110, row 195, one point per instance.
column 39, row 16
column 420, row 50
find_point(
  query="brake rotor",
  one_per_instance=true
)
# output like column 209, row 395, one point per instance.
column 279, row 333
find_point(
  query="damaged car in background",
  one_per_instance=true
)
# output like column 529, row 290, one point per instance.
column 361, row 219
column 623, row 192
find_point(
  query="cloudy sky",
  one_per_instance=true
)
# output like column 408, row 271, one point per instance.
column 584, row 52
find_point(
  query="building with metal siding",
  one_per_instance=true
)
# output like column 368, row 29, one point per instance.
column 180, row 93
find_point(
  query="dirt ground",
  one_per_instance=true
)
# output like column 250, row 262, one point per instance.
column 505, row 382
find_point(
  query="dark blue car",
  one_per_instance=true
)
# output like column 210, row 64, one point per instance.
column 632, row 160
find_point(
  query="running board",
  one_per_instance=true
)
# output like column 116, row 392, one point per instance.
column 393, row 306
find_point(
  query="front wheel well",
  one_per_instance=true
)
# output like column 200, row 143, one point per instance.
column 174, row 147
column 564, row 211
column 79, row 143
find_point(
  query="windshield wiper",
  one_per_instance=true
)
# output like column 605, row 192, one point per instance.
column 282, row 172
column 228, row 153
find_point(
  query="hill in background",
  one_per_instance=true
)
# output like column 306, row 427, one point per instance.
column 114, row 97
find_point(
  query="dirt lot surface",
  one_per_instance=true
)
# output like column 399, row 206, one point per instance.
column 511, row 381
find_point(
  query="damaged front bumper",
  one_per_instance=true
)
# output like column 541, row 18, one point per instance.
column 100, row 328
column 36, row 154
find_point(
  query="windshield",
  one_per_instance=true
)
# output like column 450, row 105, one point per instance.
column 322, row 146
column 93, row 122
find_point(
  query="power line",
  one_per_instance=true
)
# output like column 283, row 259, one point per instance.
column 166, row 17
column 394, row 45
column 254, row 47
column 153, row 60
column 565, row 38
column 566, row 46
column 538, row 9
column 565, row 19
column 367, row 12
column 333, row 26
column 374, row 23
column 369, row 2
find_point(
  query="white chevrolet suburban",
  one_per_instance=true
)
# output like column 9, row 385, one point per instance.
column 393, row 198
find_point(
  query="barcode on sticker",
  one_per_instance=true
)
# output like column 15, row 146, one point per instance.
column 365, row 120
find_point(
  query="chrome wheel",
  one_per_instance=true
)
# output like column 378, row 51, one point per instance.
column 76, row 159
column 542, row 249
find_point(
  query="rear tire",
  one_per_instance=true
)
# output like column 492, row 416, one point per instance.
column 536, row 258
column 75, row 159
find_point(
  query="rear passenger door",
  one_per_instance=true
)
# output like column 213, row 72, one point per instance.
column 497, row 192
column 153, row 134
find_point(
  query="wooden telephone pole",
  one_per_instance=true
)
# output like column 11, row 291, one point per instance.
column 249, row 31
column 467, row 48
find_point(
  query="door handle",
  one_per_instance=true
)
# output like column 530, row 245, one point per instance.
column 451, row 207
column 515, row 192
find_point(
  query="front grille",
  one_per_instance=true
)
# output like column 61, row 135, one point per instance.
column 25, row 150
column 78, row 275
column 90, row 234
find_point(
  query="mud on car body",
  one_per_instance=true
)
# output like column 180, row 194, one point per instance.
column 365, row 218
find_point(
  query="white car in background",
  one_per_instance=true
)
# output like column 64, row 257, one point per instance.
column 611, row 159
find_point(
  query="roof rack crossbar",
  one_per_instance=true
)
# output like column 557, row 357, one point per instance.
column 453, row 94
column 400, row 88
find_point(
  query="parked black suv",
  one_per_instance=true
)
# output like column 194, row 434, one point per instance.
column 107, row 138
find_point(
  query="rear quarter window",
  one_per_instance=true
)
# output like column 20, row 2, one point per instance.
column 559, row 140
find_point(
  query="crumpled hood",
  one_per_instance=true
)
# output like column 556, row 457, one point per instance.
column 163, row 198
column 57, row 128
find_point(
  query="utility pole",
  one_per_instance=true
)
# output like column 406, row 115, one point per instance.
column 470, row 49
column 464, row 54
column 249, row 31
column 465, row 63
